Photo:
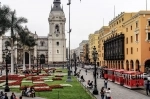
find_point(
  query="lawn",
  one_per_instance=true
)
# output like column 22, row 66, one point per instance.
column 74, row 92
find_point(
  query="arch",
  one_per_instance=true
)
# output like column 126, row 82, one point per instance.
column 127, row 65
column 42, row 59
column 118, row 64
column 57, row 28
column 26, row 58
column 147, row 65
column 122, row 67
column 137, row 63
column 131, row 65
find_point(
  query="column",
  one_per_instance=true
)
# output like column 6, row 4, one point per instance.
column 35, row 53
column 1, row 50
column 29, row 60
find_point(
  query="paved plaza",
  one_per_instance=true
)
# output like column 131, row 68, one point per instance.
column 118, row 92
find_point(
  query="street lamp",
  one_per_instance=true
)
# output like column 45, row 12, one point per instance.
column 69, row 73
column 75, row 68
column 36, row 58
column 95, row 55
column 6, row 57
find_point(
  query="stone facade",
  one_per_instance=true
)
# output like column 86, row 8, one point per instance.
column 51, row 47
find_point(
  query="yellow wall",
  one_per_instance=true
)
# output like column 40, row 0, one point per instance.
column 93, row 41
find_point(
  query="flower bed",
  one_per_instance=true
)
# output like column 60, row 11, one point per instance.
column 2, row 81
column 58, row 71
column 39, row 89
column 40, row 85
column 56, row 78
column 38, row 82
column 56, row 86
column 59, row 76
column 66, row 85
column 12, row 77
column 44, row 75
column 18, row 82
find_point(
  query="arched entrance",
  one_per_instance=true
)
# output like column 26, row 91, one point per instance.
column 26, row 58
column 122, row 67
column 131, row 65
column 42, row 59
column 118, row 64
column 147, row 65
column 127, row 64
column 137, row 65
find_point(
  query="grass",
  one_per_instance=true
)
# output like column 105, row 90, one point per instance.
column 74, row 92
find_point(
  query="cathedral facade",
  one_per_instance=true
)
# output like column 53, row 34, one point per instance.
column 51, row 48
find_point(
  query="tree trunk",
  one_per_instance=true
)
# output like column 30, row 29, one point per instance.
column 29, row 60
column 12, row 59
column 24, row 67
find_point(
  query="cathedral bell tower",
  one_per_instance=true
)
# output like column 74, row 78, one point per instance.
column 56, row 37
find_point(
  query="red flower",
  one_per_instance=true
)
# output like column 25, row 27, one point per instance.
column 57, row 78
column 56, row 86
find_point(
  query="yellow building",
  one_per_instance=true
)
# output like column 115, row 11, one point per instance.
column 93, row 41
column 114, row 41
column 102, row 32
column 137, row 42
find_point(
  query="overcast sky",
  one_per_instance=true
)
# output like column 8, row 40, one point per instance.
column 86, row 16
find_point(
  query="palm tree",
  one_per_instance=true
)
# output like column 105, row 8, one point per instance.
column 15, row 27
column 22, row 40
column 31, row 42
column 4, row 19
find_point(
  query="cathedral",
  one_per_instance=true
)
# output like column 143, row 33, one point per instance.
column 52, row 48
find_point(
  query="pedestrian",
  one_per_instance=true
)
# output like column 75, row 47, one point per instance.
column 105, row 83
column 108, row 93
column 6, row 97
column 86, row 71
column 97, row 74
column 147, row 87
column 102, row 93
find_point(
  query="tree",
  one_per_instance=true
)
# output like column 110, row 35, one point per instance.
column 4, row 19
column 22, row 41
column 15, row 27
column 31, row 42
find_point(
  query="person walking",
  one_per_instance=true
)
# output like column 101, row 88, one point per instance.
column 105, row 83
column 86, row 71
column 102, row 93
column 147, row 87
column 97, row 74
column 108, row 93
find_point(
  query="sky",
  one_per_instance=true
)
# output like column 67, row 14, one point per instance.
column 86, row 16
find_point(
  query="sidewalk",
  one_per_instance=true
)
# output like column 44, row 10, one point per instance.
column 118, row 92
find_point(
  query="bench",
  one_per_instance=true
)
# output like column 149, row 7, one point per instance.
column 30, row 94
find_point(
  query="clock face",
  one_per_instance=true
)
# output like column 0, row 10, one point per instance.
column 57, row 35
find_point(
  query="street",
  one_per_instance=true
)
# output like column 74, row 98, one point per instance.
column 118, row 92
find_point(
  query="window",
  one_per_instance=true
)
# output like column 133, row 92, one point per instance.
column 149, row 23
column 131, row 50
column 126, row 40
column 148, row 35
column 131, row 39
column 57, row 29
column 122, row 19
column 57, row 51
column 137, row 49
column 127, row 51
column 136, row 37
column 131, row 27
column 42, row 43
column 126, row 29
column 57, row 43
column 136, row 24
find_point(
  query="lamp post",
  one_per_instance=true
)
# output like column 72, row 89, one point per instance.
column 95, row 54
column 69, row 73
column 36, row 58
column 6, row 57
column 75, row 68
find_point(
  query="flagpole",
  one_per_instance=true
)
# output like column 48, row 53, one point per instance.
column 146, row 5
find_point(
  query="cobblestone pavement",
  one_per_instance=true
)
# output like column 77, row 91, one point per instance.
column 118, row 92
